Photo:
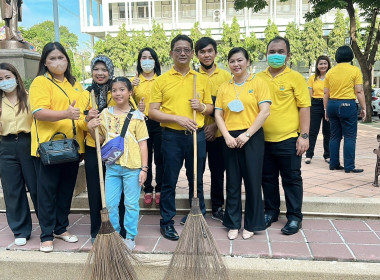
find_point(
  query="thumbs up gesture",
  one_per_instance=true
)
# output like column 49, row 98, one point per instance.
column 136, row 80
column 141, row 105
column 73, row 113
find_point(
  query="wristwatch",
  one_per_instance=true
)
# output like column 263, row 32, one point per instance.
column 304, row 135
column 248, row 134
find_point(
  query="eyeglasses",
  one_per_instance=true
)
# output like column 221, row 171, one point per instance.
column 186, row 51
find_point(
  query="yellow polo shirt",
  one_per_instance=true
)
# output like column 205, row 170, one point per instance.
column 46, row 95
column 86, row 104
column 218, row 77
column 254, row 92
column 173, row 91
column 11, row 122
column 111, row 126
column 144, row 89
column 317, row 86
column 342, row 79
column 288, row 93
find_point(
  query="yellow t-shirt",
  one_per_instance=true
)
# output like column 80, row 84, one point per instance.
column 173, row 91
column 46, row 95
column 218, row 77
column 317, row 86
column 289, row 92
column 85, row 104
column 144, row 89
column 11, row 122
column 111, row 126
column 254, row 92
column 342, row 79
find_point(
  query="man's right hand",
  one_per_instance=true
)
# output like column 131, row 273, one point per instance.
column 187, row 123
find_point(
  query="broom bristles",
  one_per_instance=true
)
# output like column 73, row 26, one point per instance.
column 196, row 255
column 109, row 258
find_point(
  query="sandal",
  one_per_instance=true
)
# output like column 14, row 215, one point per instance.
column 148, row 199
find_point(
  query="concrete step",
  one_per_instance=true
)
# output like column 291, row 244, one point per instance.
column 17, row 265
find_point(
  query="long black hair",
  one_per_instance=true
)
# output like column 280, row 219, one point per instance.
column 48, row 48
column 157, row 66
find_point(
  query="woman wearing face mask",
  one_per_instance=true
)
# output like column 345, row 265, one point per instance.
column 102, row 71
column 53, row 96
column 16, row 164
column 148, row 69
column 241, row 107
column 317, row 112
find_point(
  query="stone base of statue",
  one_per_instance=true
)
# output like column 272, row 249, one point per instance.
column 20, row 56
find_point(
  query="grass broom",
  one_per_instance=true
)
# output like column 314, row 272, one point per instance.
column 109, row 258
column 196, row 255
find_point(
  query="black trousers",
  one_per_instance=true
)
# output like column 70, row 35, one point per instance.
column 280, row 158
column 154, row 150
column 93, row 192
column 16, row 171
column 55, row 189
column 217, row 168
column 317, row 114
column 245, row 163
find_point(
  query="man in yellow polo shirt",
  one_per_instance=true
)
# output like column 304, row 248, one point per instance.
column 286, row 136
column 206, row 51
column 172, row 105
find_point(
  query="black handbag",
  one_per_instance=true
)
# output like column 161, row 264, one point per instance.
column 58, row 151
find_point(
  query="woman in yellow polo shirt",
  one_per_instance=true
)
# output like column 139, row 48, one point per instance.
column 148, row 69
column 317, row 112
column 241, row 107
column 16, row 164
column 343, row 84
column 53, row 96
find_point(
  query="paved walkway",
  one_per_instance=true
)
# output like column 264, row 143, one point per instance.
column 320, row 239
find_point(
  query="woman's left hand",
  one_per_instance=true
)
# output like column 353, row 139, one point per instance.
column 241, row 140
column 142, row 177
column 141, row 105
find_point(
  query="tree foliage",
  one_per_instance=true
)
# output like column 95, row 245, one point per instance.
column 230, row 38
column 293, row 34
column 338, row 34
column 159, row 42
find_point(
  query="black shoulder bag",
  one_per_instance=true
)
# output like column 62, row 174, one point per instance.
column 58, row 151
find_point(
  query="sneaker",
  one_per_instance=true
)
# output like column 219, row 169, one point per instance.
column 157, row 198
column 327, row 160
column 130, row 243
column 20, row 241
column 148, row 199
column 183, row 220
column 218, row 215
column 307, row 160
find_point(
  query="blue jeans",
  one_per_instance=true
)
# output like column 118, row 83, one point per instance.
column 177, row 147
column 343, row 115
column 122, row 179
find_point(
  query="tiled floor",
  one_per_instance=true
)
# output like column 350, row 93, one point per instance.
column 319, row 239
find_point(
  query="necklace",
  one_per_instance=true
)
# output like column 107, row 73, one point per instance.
column 124, row 112
column 240, row 85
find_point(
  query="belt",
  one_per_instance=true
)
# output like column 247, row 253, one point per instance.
column 183, row 132
column 336, row 99
column 317, row 99
column 14, row 137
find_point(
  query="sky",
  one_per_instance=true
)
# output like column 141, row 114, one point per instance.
column 37, row 11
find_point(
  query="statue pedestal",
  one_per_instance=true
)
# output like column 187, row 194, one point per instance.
column 20, row 56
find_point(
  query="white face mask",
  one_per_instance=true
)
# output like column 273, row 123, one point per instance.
column 8, row 85
column 147, row 65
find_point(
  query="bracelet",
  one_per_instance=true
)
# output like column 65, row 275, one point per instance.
column 145, row 166
column 204, row 108
column 144, row 170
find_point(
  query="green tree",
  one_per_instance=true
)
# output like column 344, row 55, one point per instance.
column 230, row 38
column 313, row 42
column 270, row 31
column 253, row 46
column 337, row 34
column 293, row 34
column 195, row 35
column 365, row 55
column 159, row 42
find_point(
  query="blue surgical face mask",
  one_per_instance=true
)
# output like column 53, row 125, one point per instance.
column 8, row 85
column 276, row 60
column 147, row 65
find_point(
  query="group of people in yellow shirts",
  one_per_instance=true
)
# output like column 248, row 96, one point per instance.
column 254, row 127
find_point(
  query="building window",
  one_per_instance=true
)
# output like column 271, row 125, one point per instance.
column 121, row 7
column 142, row 10
column 166, row 9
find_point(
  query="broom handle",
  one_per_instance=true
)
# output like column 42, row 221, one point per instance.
column 99, row 156
column 195, row 140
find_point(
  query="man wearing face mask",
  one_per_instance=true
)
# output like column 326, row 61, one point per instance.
column 286, row 133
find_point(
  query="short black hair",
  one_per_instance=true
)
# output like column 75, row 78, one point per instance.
column 157, row 66
column 48, row 48
column 124, row 80
column 181, row 37
column 279, row 38
column 204, row 42
column 344, row 54
column 237, row 50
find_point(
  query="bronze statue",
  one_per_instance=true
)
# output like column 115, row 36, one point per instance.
column 11, row 13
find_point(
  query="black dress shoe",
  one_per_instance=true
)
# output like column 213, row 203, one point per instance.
column 169, row 232
column 269, row 219
column 354, row 171
column 337, row 168
column 291, row 227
